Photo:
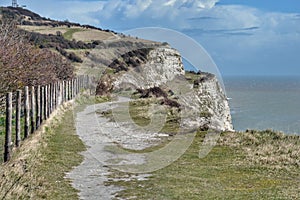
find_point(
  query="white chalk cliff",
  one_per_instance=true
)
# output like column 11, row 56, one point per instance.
column 203, row 99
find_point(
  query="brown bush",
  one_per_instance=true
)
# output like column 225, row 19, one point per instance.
column 22, row 64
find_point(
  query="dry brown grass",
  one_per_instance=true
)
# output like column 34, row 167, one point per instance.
column 88, row 35
column 267, row 148
column 45, row 29
column 81, row 34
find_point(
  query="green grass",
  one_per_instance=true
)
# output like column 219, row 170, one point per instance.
column 69, row 33
column 191, row 77
column 38, row 168
column 60, row 155
column 138, row 110
column 220, row 175
column 139, row 113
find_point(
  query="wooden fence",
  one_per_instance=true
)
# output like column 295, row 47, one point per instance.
column 34, row 105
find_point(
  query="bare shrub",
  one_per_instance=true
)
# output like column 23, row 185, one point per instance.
column 22, row 64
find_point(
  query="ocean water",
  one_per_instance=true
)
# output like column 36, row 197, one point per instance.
column 264, row 103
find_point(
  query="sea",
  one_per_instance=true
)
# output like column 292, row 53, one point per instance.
column 262, row 103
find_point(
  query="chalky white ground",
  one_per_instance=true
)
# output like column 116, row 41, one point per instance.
column 99, row 135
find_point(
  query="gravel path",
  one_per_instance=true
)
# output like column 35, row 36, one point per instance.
column 102, row 138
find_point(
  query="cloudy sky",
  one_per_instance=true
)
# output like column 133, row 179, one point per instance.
column 244, row 37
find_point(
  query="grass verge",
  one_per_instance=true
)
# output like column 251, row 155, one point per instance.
column 38, row 168
column 227, row 172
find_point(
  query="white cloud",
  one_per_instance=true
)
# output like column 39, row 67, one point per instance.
column 78, row 11
column 170, row 3
column 206, row 4
column 137, row 10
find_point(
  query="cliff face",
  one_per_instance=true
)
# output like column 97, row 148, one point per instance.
column 208, row 105
column 202, row 101
column 163, row 64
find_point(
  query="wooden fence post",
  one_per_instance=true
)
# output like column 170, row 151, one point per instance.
column 60, row 92
column 49, row 101
column 71, row 89
column 83, row 82
column 53, row 96
column 26, row 112
column 56, row 95
column 65, row 91
column 68, row 94
column 32, row 110
column 8, row 143
column 87, row 82
column 45, row 101
column 42, row 103
column 75, row 88
column 38, row 106
column 79, row 83
column 18, row 117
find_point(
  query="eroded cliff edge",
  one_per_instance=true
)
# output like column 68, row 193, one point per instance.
column 157, row 72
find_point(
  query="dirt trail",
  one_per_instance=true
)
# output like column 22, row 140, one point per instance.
column 100, row 136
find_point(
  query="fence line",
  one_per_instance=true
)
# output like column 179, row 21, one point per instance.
column 38, row 104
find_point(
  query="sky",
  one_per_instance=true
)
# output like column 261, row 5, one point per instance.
column 244, row 37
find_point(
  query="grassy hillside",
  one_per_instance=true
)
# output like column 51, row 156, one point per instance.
column 240, row 166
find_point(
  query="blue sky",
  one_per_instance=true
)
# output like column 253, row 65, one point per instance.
column 244, row 37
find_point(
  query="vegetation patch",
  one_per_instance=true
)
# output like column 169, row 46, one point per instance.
column 225, row 173
column 22, row 64
column 69, row 33
column 131, row 59
column 37, row 170
column 274, row 150
column 141, row 113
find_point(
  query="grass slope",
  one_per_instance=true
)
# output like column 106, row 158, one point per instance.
column 38, row 168
column 226, row 173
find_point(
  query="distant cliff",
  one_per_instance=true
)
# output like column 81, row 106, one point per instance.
column 158, row 72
